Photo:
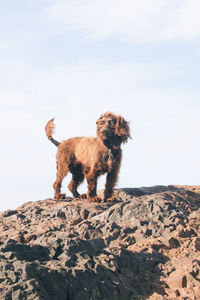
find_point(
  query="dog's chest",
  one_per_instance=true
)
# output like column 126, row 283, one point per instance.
column 108, row 160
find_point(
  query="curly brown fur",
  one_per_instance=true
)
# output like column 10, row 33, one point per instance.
column 90, row 157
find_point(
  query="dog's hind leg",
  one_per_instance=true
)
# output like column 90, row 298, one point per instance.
column 62, row 170
column 77, row 178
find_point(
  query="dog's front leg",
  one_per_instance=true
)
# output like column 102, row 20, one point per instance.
column 111, row 180
column 92, row 187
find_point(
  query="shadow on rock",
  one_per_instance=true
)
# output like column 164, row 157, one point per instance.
column 82, row 271
column 142, row 191
column 25, row 252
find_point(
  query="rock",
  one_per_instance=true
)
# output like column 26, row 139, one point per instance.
column 197, row 244
column 176, row 280
column 9, row 213
column 187, row 232
column 173, row 243
column 73, row 249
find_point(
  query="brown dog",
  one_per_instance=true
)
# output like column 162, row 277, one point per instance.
column 90, row 157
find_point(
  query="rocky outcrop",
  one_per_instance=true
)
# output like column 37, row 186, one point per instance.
column 144, row 246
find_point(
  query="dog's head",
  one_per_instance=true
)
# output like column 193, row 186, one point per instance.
column 113, row 130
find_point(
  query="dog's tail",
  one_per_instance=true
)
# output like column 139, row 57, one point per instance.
column 49, row 129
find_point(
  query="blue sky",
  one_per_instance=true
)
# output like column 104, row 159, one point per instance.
column 77, row 59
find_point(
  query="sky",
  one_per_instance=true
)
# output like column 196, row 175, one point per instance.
column 76, row 59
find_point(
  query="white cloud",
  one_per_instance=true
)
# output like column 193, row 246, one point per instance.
column 130, row 20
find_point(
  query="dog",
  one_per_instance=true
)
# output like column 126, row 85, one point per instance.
column 90, row 157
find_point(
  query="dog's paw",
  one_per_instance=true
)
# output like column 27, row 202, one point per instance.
column 83, row 196
column 60, row 196
column 110, row 199
column 94, row 199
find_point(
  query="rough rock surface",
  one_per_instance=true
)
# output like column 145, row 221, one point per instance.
column 144, row 246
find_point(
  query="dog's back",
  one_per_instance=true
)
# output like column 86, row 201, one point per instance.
column 87, row 151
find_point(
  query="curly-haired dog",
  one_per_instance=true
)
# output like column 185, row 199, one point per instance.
column 90, row 157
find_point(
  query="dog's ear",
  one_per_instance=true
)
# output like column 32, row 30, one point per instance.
column 122, row 129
